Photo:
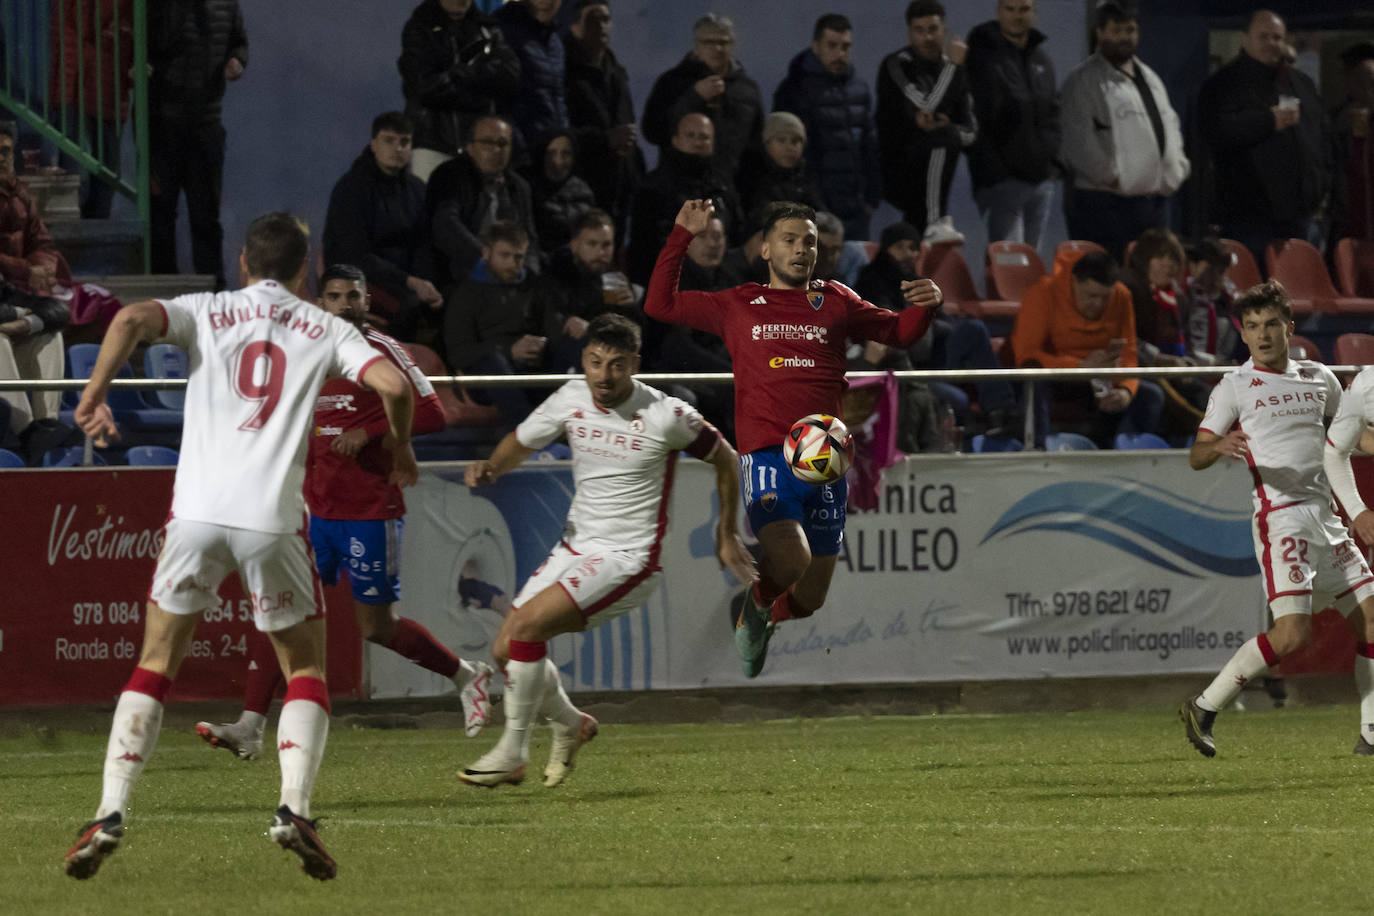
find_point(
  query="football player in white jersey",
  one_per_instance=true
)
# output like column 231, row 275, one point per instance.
column 258, row 358
column 1271, row 413
column 625, row 439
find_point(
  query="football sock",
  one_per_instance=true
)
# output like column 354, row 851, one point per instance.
column 766, row 590
column 556, row 705
column 264, row 676
column 1364, row 681
column 416, row 643
column 524, row 695
column 301, row 734
column 1254, row 659
column 133, row 735
column 787, row 608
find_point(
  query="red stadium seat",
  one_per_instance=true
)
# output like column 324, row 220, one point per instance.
column 1355, row 350
column 1300, row 347
column 1078, row 246
column 1243, row 272
column 1355, row 267
column 1299, row 267
column 1011, row 268
column 459, row 409
column 944, row 265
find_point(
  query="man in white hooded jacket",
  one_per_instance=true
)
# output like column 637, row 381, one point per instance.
column 1121, row 140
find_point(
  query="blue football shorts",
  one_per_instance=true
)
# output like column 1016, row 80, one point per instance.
column 369, row 550
column 772, row 492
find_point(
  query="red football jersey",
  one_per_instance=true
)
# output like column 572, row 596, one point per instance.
column 787, row 346
column 340, row 487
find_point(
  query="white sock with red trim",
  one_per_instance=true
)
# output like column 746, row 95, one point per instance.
column 1364, row 681
column 1252, row 660
column 556, row 704
column 133, row 735
column 525, row 676
column 301, row 734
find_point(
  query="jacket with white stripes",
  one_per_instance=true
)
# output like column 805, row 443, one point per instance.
column 908, row 83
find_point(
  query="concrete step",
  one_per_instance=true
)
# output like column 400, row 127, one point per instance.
column 99, row 246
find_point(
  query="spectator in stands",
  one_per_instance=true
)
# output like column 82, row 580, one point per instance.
column 1211, row 329
column 89, row 44
column 376, row 220
column 491, row 325
column 1266, row 128
column 1012, row 162
column 835, row 105
column 954, row 341
column 195, row 47
column 830, row 248
column 1353, row 198
column 925, row 118
column 28, row 258
column 31, row 347
column 579, row 284
column 540, row 104
column 560, row 197
column 1081, row 317
column 777, row 170
column 470, row 192
column 702, row 267
column 708, row 81
column 1121, row 140
column 686, row 171
column 455, row 67
column 601, row 113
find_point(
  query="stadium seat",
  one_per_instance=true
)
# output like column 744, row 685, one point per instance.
column 1355, row 350
column 1011, row 268
column 1300, row 347
column 1069, row 442
column 945, row 265
column 9, row 459
column 1243, row 272
column 1078, row 246
column 127, row 404
column 1126, row 442
column 167, row 361
column 984, row 444
column 1299, row 267
column 470, row 429
column 145, row 456
column 1355, row 267
column 70, row 457
column 80, row 362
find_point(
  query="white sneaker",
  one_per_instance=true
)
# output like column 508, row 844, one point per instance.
column 493, row 769
column 567, row 739
column 942, row 230
column 245, row 742
column 476, row 699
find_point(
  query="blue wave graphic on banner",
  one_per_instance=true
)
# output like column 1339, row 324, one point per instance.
column 1160, row 528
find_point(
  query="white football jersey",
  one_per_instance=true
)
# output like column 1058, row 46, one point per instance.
column 623, row 461
column 1355, row 416
column 1282, row 413
column 258, row 358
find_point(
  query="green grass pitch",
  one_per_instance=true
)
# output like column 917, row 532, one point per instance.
column 1100, row 812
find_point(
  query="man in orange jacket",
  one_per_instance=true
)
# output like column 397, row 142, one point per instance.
column 1081, row 317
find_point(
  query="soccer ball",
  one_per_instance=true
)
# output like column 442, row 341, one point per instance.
column 819, row 448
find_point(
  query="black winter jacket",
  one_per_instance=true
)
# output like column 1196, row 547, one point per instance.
column 841, row 139
column 377, row 223
column 483, row 318
column 189, row 42
column 737, row 113
column 762, row 181
column 678, row 179
column 1017, row 105
column 453, row 200
column 557, row 205
column 599, row 99
column 905, row 148
column 452, row 71
column 539, row 105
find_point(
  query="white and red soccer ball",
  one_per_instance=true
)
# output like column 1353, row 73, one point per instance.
column 819, row 448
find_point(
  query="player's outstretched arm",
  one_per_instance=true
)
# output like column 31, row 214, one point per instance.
column 1208, row 448
column 695, row 215
column 663, row 300
column 131, row 326
column 509, row 453
column 398, row 401
column 1349, row 431
column 730, row 549
column 922, row 292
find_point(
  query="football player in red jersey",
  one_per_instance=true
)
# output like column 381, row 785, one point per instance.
column 356, row 520
column 787, row 343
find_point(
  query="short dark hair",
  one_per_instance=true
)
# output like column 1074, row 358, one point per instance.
column 780, row 210
column 1357, row 54
column 10, row 129
column 1097, row 266
column 835, row 22
column 613, row 331
column 276, row 246
column 472, row 126
column 919, row 9
column 1109, row 11
column 505, row 230
column 1156, row 242
column 594, row 218
column 1269, row 294
column 1209, row 249
column 395, row 121
column 583, row 4
column 342, row 272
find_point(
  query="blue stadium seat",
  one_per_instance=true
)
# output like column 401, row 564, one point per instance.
column 70, row 457
column 80, row 362
column 9, row 459
column 127, row 404
column 167, row 361
column 147, row 456
column 983, row 443
column 1133, row 441
column 1069, row 442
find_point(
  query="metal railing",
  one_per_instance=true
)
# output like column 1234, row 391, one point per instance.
column 60, row 61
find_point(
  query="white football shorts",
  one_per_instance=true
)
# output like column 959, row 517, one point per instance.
column 1304, row 549
column 277, row 572
column 603, row 585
